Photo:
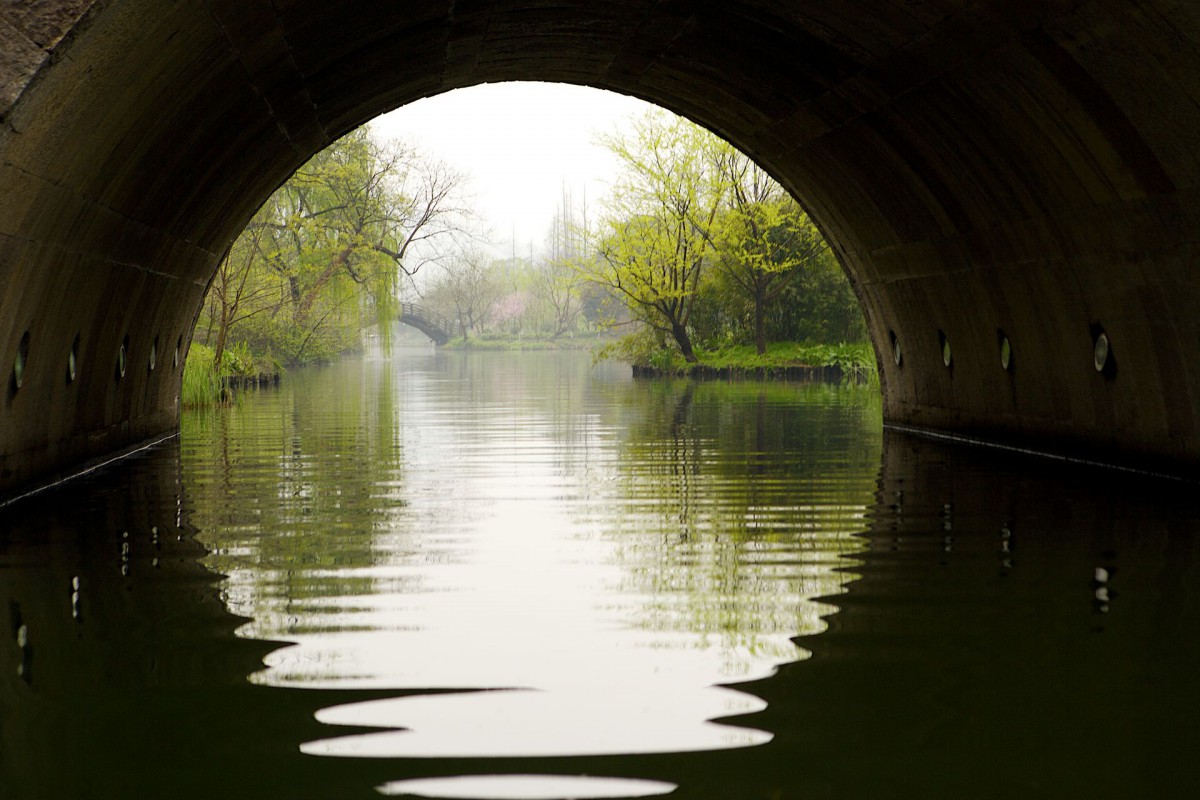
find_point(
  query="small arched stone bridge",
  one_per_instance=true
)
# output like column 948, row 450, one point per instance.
column 427, row 321
column 996, row 176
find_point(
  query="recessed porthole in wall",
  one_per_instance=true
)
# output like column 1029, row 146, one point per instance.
column 1104, row 358
column 153, row 353
column 1101, row 353
column 897, row 356
column 1005, row 352
column 73, row 360
column 19, row 363
column 947, row 355
column 122, row 357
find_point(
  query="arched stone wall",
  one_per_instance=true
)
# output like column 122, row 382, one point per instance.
column 1006, row 168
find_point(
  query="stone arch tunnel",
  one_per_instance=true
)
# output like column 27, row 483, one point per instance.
column 1012, row 185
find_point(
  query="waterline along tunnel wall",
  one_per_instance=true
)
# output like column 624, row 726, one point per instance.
column 1010, row 184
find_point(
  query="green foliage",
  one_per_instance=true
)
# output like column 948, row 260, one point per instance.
column 704, row 247
column 657, row 230
column 856, row 359
column 237, row 360
column 645, row 347
column 204, row 382
column 201, row 383
column 763, row 239
column 816, row 305
column 323, row 258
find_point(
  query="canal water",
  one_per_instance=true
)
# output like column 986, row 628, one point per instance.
column 516, row 575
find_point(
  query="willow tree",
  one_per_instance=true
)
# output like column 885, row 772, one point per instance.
column 358, row 210
column 656, row 231
column 333, row 243
column 764, row 238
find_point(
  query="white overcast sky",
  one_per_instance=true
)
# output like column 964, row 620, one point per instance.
column 519, row 143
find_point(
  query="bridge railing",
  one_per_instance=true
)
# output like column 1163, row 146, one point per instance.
column 432, row 323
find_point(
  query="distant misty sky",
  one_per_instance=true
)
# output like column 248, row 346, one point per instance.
column 520, row 144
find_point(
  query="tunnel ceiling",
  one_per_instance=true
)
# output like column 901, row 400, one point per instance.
column 997, row 174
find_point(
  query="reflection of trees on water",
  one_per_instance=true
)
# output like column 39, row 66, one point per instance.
column 726, row 507
column 315, row 498
column 290, row 488
column 737, row 504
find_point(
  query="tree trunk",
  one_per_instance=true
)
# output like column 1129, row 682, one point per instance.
column 680, row 334
column 760, row 327
column 222, row 335
column 339, row 261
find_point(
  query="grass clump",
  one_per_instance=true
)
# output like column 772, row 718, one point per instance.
column 206, row 384
column 201, row 382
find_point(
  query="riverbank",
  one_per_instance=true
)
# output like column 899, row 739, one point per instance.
column 796, row 372
column 205, row 386
column 782, row 361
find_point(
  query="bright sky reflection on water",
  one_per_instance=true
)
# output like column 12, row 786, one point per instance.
column 572, row 580
column 527, row 787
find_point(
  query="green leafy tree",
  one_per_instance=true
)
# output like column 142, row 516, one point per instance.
column 657, row 229
column 763, row 239
column 818, row 305
column 324, row 257
column 357, row 210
